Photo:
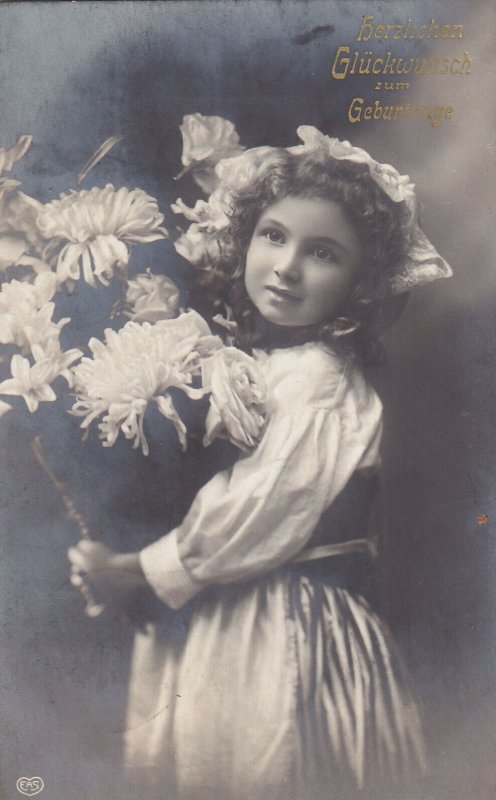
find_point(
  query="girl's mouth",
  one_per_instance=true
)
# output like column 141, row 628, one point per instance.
column 282, row 294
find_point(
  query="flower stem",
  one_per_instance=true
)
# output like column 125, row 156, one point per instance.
column 183, row 172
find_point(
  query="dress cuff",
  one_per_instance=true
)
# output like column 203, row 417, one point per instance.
column 165, row 573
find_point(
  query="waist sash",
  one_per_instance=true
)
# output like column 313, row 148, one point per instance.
column 337, row 549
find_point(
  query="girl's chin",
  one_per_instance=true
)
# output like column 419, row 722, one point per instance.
column 286, row 322
column 281, row 317
column 283, row 324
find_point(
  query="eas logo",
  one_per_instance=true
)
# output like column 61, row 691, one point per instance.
column 30, row 786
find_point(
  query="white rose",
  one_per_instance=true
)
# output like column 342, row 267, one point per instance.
column 196, row 244
column 207, row 140
column 209, row 216
column 18, row 228
column 235, row 174
column 237, row 403
column 151, row 297
column 192, row 245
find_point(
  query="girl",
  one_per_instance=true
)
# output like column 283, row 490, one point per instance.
column 278, row 680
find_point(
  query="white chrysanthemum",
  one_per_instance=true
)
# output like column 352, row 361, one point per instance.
column 98, row 226
column 136, row 366
column 26, row 312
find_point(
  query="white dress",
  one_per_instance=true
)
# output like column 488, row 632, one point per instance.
column 271, row 684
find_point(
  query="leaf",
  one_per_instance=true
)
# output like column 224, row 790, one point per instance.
column 16, row 152
column 97, row 156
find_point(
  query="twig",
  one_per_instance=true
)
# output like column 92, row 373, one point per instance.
column 93, row 609
column 71, row 510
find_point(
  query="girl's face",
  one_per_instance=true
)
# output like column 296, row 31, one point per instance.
column 303, row 261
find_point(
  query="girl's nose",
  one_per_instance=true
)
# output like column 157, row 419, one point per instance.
column 288, row 266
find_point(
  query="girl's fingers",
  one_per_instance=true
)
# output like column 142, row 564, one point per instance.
column 93, row 609
column 76, row 558
column 86, row 546
column 87, row 555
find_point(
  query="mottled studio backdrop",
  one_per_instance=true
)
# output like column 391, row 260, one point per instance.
column 73, row 74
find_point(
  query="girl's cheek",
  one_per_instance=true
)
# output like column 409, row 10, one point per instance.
column 259, row 245
column 257, row 254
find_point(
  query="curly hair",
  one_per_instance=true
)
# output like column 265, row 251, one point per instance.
column 381, row 225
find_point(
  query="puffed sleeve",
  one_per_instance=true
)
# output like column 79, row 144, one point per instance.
column 324, row 422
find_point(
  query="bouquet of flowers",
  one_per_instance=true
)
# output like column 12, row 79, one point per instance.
column 89, row 235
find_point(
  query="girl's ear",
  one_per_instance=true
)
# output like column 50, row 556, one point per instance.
column 343, row 326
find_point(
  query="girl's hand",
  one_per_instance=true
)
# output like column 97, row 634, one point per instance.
column 102, row 574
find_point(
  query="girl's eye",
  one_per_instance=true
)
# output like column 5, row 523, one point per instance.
column 322, row 253
column 274, row 236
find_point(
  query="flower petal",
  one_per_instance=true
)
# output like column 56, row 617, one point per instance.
column 166, row 407
column 10, row 387
column 12, row 248
column 20, row 368
column 67, row 264
column 4, row 407
column 106, row 251
column 86, row 265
